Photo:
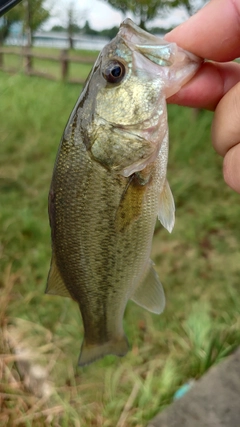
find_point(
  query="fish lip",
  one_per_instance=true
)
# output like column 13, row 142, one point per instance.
column 129, row 30
column 140, row 40
column 135, row 126
column 166, row 60
column 148, row 44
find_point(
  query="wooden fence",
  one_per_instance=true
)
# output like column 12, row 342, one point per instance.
column 64, row 59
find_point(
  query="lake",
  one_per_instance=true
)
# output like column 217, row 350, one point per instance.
column 59, row 40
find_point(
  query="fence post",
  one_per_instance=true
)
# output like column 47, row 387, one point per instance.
column 28, row 61
column 64, row 64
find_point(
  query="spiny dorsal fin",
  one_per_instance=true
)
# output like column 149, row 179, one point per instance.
column 166, row 210
column 150, row 294
column 55, row 284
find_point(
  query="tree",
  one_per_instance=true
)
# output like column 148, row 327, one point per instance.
column 109, row 32
column 71, row 23
column 71, row 18
column 34, row 14
column 6, row 22
column 191, row 6
column 58, row 28
column 146, row 10
column 30, row 12
column 88, row 30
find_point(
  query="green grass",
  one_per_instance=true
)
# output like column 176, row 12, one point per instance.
column 198, row 265
column 76, row 71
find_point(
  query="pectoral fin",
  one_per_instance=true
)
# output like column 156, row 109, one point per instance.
column 150, row 294
column 166, row 211
column 130, row 206
column 55, row 284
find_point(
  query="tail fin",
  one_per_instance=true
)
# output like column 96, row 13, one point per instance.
column 90, row 353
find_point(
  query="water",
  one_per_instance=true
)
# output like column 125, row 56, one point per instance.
column 59, row 40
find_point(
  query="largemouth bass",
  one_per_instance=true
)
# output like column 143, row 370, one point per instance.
column 109, row 186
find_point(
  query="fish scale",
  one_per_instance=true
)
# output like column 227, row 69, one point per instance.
column 109, row 186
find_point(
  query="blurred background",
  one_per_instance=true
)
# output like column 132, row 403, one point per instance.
column 47, row 50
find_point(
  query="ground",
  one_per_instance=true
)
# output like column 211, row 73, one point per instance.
column 212, row 401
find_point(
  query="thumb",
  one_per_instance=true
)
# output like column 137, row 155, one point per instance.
column 226, row 135
column 231, row 168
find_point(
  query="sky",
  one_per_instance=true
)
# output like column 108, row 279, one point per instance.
column 100, row 15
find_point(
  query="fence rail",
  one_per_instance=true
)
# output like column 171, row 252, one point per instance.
column 64, row 59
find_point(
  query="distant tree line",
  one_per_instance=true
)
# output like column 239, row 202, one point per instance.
column 86, row 29
column 107, row 32
column 147, row 10
column 33, row 13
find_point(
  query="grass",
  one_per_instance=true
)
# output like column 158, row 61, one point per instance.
column 76, row 71
column 198, row 265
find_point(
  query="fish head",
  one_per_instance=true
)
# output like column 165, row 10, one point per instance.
column 128, row 87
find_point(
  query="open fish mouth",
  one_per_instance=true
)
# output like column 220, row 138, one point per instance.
column 155, row 48
column 165, row 60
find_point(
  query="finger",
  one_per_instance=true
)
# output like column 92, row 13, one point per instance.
column 231, row 169
column 213, row 32
column 208, row 86
column 226, row 121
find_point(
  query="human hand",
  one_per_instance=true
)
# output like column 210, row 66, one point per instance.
column 214, row 34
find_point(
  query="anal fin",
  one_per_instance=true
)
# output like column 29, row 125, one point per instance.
column 55, row 283
column 166, row 210
column 90, row 353
column 150, row 294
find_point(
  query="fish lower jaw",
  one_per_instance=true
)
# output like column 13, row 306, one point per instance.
column 149, row 125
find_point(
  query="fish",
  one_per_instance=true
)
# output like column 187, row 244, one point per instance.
column 109, row 186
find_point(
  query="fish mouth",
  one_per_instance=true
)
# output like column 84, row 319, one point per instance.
column 155, row 48
column 166, row 60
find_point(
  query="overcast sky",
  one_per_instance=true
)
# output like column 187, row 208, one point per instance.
column 99, row 14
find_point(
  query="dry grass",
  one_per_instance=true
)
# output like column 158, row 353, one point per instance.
column 41, row 335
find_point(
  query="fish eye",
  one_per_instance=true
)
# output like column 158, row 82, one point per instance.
column 114, row 72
